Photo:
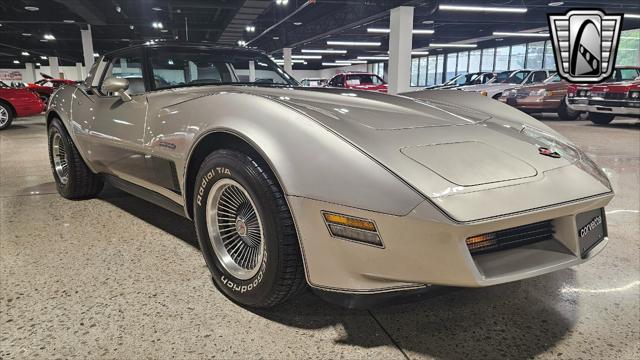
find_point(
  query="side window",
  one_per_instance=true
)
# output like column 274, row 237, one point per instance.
column 127, row 67
column 336, row 81
column 539, row 76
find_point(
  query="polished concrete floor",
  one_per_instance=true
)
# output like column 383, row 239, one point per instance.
column 116, row 277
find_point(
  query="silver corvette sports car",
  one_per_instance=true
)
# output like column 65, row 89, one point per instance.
column 360, row 195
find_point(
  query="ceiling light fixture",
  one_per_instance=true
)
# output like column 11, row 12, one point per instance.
column 68, row 21
column 556, row 3
column 306, row 56
column 414, row 31
column 353, row 43
column 523, row 34
column 155, row 8
column 38, row 64
column 24, row 53
column 26, row 34
column 131, row 27
column 320, row 51
column 250, row 28
column 297, row 23
column 49, row 37
column 31, row 8
column 43, row 57
column 96, row 54
column 276, row 38
column 118, row 8
column 373, row 58
column 419, row 53
column 438, row 45
column 157, row 25
column 282, row 2
column 632, row 16
column 278, row 61
column 242, row 43
column 16, row 62
column 352, row 61
column 483, row 9
column 335, row 64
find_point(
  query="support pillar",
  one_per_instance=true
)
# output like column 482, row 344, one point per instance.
column 87, row 46
column 287, row 60
column 30, row 73
column 400, row 44
column 79, row 71
column 53, row 67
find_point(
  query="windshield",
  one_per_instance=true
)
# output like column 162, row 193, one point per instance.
column 462, row 79
column 364, row 79
column 553, row 79
column 500, row 77
column 517, row 77
column 188, row 67
column 623, row 75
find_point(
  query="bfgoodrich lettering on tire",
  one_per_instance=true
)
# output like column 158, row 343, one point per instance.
column 246, row 231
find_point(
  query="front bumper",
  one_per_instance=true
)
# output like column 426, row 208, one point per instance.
column 424, row 248
column 600, row 105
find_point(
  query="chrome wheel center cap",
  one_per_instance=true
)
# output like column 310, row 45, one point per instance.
column 241, row 227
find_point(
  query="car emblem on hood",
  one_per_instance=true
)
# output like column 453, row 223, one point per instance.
column 546, row 152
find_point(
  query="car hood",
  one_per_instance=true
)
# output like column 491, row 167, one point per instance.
column 440, row 148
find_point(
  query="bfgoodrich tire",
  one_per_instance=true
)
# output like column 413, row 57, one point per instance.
column 6, row 115
column 601, row 119
column 246, row 231
column 73, row 178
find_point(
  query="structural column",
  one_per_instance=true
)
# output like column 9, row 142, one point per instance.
column 79, row 71
column 53, row 67
column 30, row 72
column 87, row 46
column 400, row 43
column 286, row 52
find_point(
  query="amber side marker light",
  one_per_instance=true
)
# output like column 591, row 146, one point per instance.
column 481, row 242
column 352, row 228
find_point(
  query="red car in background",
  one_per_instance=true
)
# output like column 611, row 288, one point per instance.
column 45, row 87
column 359, row 81
column 619, row 95
column 16, row 103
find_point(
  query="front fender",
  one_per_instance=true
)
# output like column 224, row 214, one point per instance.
column 309, row 160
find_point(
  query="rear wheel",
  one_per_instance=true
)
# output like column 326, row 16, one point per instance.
column 601, row 119
column 6, row 115
column 246, row 231
column 565, row 113
column 73, row 178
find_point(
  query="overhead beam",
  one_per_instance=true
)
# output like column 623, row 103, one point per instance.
column 85, row 10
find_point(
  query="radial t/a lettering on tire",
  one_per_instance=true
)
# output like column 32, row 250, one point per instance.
column 246, row 231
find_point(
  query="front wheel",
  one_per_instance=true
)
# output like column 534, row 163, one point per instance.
column 6, row 116
column 601, row 119
column 565, row 113
column 73, row 178
column 246, row 231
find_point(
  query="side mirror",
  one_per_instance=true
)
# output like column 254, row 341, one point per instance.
column 117, row 85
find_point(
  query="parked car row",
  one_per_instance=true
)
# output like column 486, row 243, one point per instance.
column 17, row 102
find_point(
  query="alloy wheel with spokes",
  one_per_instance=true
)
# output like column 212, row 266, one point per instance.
column 4, row 116
column 60, row 161
column 235, row 229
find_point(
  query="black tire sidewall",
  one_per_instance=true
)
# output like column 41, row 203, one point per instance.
column 56, row 127
column 227, row 164
column 10, row 112
column 565, row 113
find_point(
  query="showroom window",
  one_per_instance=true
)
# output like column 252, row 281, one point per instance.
column 422, row 79
column 414, row 71
column 431, row 71
column 549, row 59
column 474, row 61
column 451, row 65
column 487, row 59
column 516, row 61
column 629, row 48
column 439, row 69
column 463, row 60
column 535, row 53
column 502, row 59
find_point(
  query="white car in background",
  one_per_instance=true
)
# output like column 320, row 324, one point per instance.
column 508, row 80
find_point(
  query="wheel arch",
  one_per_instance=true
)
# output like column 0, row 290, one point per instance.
column 11, row 107
column 216, row 140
